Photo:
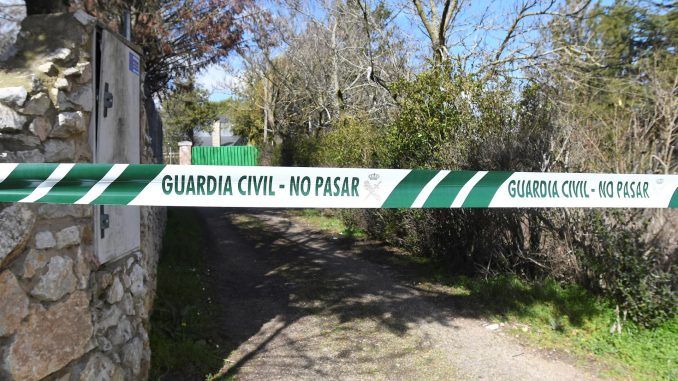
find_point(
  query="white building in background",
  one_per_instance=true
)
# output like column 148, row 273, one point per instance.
column 221, row 135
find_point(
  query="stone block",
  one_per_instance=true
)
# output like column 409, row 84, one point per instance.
column 16, row 224
column 141, row 309
column 69, row 124
column 185, row 152
column 50, row 339
column 47, row 68
column 10, row 120
column 63, row 103
column 82, row 269
column 85, row 72
column 13, row 304
column 104, row 344
column 37, row 105
column 108, row 318
column 122, row 332
column 19, row 142
column 61, row 54
column 35, row 260
column 58, row 281
column 81, row 73
column 44, row 240
column 62, row 84
column 29, row 156
column 115, row 292
column 68, row 237
column 127, row 304
column 137, row 286
column 101, row 368
column 64, row 377
column 40, row 127
column 82, row 98
column 132, row 354
column 104, row 279
column 60, row 211
column 126, row 281
column 13, row 96
column 71, row 72
column 59, row 151
column 53, row 94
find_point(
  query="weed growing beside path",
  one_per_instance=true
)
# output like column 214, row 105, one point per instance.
column 547, row 314
column 570, row 319
column 183, row 321
column 329, row 222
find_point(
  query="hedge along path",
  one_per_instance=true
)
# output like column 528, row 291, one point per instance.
column 301, row 187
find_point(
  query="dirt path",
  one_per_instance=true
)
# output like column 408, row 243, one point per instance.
column 300, row 305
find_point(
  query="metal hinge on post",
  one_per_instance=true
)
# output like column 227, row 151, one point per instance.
column 104, row 221
column 108, row 99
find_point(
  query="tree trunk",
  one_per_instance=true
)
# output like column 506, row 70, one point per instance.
column 266, row 107
column 338, row 98
column 269, row 101
column 154, row 126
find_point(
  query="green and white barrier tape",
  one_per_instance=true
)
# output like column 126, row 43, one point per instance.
column 296, row 187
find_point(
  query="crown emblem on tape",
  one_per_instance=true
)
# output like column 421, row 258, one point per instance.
column 373, row 176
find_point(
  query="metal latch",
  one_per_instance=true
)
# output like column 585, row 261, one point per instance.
column 108, row 99
column 105, row 221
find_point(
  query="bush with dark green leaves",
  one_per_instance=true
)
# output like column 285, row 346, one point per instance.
column 617, row 260
column 448, row 120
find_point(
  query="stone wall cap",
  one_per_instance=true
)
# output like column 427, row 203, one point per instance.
column 185, row 143
column 83, row 17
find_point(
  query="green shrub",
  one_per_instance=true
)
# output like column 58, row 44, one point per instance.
column 450, row 120
column 453, row 121
column 297, row 150
column 618, row 261
column 445, row 116
column 351, row 142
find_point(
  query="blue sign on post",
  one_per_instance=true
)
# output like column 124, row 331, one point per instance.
column 134, row 66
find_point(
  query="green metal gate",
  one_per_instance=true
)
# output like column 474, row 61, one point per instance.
column 231, row 155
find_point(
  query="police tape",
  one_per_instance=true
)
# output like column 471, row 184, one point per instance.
column 301, row 187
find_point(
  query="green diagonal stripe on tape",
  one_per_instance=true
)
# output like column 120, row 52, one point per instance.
column 79, row 180
column 447, row 190
column 674, row 199
column 24, row 179
column 129, row 184
column 409, row 188
column 482, row 193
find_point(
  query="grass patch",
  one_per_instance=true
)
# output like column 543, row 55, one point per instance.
column 183, row 320
column 570, row 318
column 551, row 315
column 327, row 221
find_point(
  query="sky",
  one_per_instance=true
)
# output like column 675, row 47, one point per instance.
column 220, row 81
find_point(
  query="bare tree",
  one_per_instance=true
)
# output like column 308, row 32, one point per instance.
column 438, row 19
column 523, row 42
column 497, row 39
column 334, row 59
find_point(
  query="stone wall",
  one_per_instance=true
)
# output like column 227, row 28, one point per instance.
column 63, row 315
